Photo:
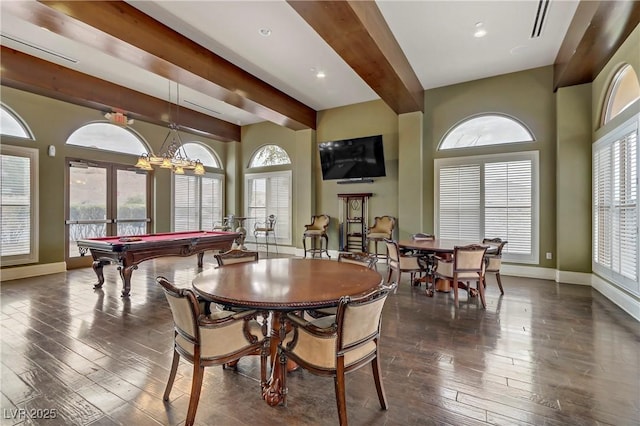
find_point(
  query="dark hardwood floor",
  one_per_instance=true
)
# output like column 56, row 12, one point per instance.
column 542, row 354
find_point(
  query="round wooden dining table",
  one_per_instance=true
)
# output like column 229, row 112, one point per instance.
column 284, row 285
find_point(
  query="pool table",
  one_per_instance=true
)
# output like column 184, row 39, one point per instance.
column 128, row 251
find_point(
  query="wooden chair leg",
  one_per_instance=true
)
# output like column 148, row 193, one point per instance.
column 341, row 399
column 481, row 291
column 172, row 375
column 304, row 246
column 499, row 282
column 196, row 386
column 455, row 290
column 282, row 358
column 382, row 397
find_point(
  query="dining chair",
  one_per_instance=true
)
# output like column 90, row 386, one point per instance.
column 493, row 258
column 316, row 231
column 400, row 263
column 232, row 257
column 382, row 228
column 466, row 264
column 208, row 340
column 264, row 230
column 357, row 258
column 333, row 346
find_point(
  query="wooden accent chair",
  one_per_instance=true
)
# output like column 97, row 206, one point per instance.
column 467, row 264
column 316, row 231
column 357, row 258
column 265, row 230
column 381, row 229
column 333, row 346
column 493, row 260
column 206, row 340
column 400, row 263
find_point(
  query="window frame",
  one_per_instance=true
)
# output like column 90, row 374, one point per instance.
column 249, row 223
column 471, row 118
column 612, row 91
column 481, row 160
column 34, row 239
column 208, row 175
column 606, row 142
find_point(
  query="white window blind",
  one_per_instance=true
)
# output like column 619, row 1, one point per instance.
column 266, row 194
column 460, row 202
column 615, row 206
column 490, row 196
column 197, row 201
column 19, row 215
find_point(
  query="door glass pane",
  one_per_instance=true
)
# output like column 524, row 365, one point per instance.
column 131, row 202
column 87, row 203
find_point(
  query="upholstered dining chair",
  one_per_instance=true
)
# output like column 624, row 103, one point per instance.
column 333, row 346
column 207, row 340
column 316, row 231
column 466, row 264
column 357, row 258
column 265, row 230
column 402, row 263
column 381, row 229
column 493, row 258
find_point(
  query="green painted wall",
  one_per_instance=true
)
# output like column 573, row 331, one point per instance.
column 526, row 95
column 573, row 176
column 364, row 119
column 52, row 122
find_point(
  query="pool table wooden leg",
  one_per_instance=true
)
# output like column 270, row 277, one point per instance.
column 97, row 268
column 200, row 259
column 125, row 274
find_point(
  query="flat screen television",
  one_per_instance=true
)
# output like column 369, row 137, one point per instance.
column 352, row 159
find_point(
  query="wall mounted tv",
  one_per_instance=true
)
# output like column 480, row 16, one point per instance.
column 356, row 160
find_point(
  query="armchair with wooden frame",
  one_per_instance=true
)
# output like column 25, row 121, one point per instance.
column 493, row 260
column 466, row 264
column 400, row 263
column 335, row 345
column 207, row 340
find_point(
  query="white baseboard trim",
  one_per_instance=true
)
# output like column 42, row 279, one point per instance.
column 8, row 274
column 567, row 277
column 627, row 302
column 528, row 271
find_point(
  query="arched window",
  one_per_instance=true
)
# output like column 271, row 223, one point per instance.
column 486, row 129
column 12, row 125
column 108, row 137
column 197, row 151
column 623, row 91
column 269, row 155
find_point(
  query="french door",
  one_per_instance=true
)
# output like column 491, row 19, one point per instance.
column 104, row 200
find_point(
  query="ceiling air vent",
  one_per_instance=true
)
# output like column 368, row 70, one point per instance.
column 541, row 14
column 186, row 101
column 40, row 48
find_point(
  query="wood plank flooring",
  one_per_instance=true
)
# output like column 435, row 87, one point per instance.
column 542, row 354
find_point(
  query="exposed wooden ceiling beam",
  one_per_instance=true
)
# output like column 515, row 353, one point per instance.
column 357, row 31
column 596, row 32
column 25, row 72
column 128, row 34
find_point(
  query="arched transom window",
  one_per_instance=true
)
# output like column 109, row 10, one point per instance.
column 11, row 125
column 486, row 129
column 623, row 91
column 108, row 137
column 269, row 155
column 197, row 151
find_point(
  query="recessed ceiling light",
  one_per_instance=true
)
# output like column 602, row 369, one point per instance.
column 265, row 32
column 320, row 74
column 480, row 30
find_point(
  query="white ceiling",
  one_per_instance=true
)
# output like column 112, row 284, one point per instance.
column 436, row 36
